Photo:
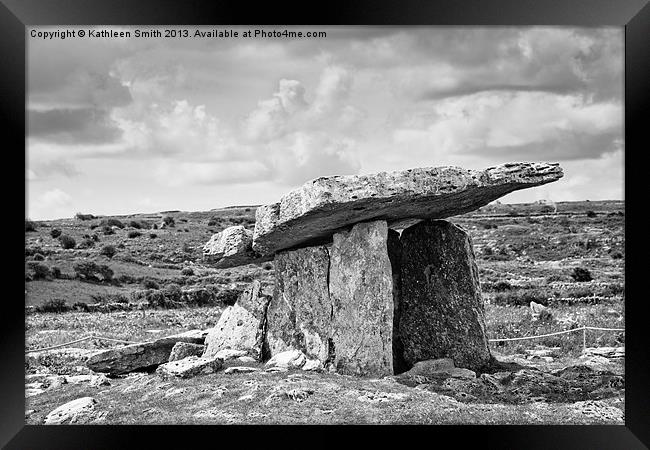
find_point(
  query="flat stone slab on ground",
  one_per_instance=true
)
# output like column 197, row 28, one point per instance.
column 319, row 208
column 189, row 367
column 129, row 358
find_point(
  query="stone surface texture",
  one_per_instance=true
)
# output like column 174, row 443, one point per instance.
column 441, row 308
column 129, row 358
column 319, row 208
column 241, row 326
column 361, row 291
column 189, row 367
column 300, row 313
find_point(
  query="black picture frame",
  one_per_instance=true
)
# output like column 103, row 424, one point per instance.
column 634, row 15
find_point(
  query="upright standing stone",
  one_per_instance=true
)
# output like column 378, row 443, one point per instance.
column 299, row 315
column 241, row 326
column 441, row 309
column 361, row 290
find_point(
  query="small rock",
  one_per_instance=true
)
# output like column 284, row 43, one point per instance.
column 184, row 349
column 72, row 412
column 246, row 359
column 240, row 369
column 312, row 364
column 189, row 367
column 291, row 359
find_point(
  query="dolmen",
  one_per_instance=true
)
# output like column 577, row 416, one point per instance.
column 369, row 278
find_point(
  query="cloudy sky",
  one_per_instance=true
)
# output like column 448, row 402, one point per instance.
column 118, row 126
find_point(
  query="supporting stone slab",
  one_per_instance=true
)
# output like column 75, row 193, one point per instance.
column 361, row 291
column 300, row 313
column 441, row 309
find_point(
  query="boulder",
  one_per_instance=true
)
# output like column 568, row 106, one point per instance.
column 439, row 368
column 232, row 247
column 312, row 213
column 361, row 292
column 241, row 326
column 291, row 359
column 76, row 411
column 299, row 315
column 441, row 309
column 184, row 349
column 189, row 367
column 144, row 356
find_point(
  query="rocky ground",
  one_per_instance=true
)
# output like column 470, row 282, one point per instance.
column 525, row 253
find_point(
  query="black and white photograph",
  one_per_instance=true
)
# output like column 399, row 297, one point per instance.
column 325, row 225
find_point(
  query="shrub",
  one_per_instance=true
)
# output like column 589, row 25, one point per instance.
column 133, row 234
column 616, row 255
column 501, row 286
column 187, row 271
column 80, row 306
column 213, row 222
column 581, row 274
column 90, row 271
column 107, row 230
column 86, row 243
column 228, row 296
column 56, row 272
column 29, row 225
column 56, row 305
column 55, row 233
column 109, row 298
column 148, row 283
column 521, row 298
column 169, row 221
column 267, row 266
column 108, row 250
column 67, row 242
column 154, row 227
column 121, row 245
column 94, row 237
column 173, row 292
column 153, row 235
column 112, row 222
column 80, row 216
column 41, row 271
column 135, row 224
column 187, row 248
column 487, row 251
column 591, row 213
column 92, row 227
column 38, row 257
